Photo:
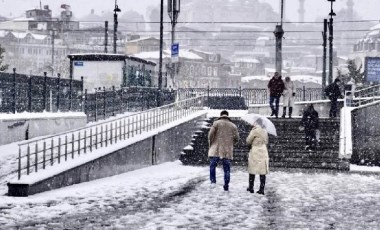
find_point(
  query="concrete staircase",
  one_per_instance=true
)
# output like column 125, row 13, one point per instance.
column 287, row 150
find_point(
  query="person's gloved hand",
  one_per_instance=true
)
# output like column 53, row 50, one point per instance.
column 294, row 94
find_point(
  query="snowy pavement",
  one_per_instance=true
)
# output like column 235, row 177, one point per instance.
column 173, row 196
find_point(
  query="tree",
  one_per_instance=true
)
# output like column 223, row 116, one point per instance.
column 354, row 73
column 2, row 67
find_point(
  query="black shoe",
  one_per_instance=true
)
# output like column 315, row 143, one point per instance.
column 283, row 115
column 250, row 190
column 290, row 116
column 272, row 114
column 225, row 187
column 261, row 192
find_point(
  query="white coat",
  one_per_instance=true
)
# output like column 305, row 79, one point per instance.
column 288, row 94
column 258, row 159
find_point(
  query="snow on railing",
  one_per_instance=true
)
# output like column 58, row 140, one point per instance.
column 38, row 154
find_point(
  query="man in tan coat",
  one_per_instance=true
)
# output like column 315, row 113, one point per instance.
column 258, row 159
column 222, row 137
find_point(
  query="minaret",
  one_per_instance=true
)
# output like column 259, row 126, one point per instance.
column 350, row 9
column 301, row 11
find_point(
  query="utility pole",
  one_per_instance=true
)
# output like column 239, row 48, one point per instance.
column 159, row 103
column 116, row 10
column 106, row 37
column 174, row 7
column 279, row 33
column 324, row 35
column 52, row 32
column 331, row 38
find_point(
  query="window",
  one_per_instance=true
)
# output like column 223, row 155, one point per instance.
column 215, row 71
column 203, row 70
column 209, row 71
column 191, row 70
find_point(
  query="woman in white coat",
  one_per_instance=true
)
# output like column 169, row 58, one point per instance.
column 258, row 159
column 289, row 96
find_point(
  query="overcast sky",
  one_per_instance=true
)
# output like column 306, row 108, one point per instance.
column 367, row 9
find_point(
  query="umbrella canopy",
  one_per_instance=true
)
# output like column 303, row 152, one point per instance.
column 264, row 122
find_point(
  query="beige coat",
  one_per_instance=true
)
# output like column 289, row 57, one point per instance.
column 222, row 137
column 288, row 94
column 258, row 159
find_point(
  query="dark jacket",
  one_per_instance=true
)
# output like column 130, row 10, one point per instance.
column 333, row 91
column 310, row 119
column 276, row 87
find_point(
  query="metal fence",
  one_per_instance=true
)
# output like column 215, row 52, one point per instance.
column 105, row 103
column 38, row 154
column 19, row 93
column 251, row 96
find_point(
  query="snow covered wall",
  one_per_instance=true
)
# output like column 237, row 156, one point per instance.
column 366, row 135
column 144, row 150
column 23, row 126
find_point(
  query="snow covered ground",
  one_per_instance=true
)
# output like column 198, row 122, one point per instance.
column 173, row 196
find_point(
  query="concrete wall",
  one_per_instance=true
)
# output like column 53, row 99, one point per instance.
column 366, row 135
column 13, row 130
column 163, row 147
column 322, row 107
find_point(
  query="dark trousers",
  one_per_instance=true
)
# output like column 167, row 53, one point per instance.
column 334, row 107
column 252, row 181
column 310, row 137
column 226, row 167
column 276, row 101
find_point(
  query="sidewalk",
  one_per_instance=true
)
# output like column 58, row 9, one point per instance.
column 172, row 196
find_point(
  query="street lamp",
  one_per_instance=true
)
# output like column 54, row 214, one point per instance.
column 52, row 33
column 116, row 10
column 279, row 33
column 331, row 38
column 174, row 7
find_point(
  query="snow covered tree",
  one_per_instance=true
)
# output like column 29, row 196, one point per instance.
column 2, row 67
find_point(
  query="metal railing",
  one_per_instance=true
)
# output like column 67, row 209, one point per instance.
column 366, row 95
column 39, row 154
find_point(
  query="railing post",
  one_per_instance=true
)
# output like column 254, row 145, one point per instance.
column 104, row 103
column 58, row 90
column 71, row 94
column 208, row 96
column 36, row 157
column 96, row 104
column 14, row 91
column 30, row 94
column 45, row 91
column 52, row 152
column 59, row 150
column 44, row 156
column 66, row 148
column 85, row 102
column 303, row 93
column 121, row 100
column 28, row 160
column 82, row 91
column 113, row 100
column 19, row 162
column 72, row 145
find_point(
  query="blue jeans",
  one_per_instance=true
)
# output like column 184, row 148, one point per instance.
column 226, row 167
column 275, row 107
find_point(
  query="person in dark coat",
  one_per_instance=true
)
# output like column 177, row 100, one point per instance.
column 310, row 122
column 333, row 93
column 276, row 87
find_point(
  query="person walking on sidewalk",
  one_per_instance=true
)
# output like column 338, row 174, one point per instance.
column 310, row 122
column 289, row 96
column 275, row 87
column 258, row 159
column 222, row 136
column 333, row 93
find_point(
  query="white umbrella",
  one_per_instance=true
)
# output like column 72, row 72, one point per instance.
column 265, row 123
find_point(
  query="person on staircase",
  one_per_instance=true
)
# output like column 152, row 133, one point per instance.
column 222, row 136
column 258, row 159
column 310, row 122
column 275, row 88
column 332, row 91
column 289, row 96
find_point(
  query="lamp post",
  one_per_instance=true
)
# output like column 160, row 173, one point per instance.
column 159, row 98
column 331, row 38
column 116, row 10
column 174, row 7
column 52, row 33
column 279, row 33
